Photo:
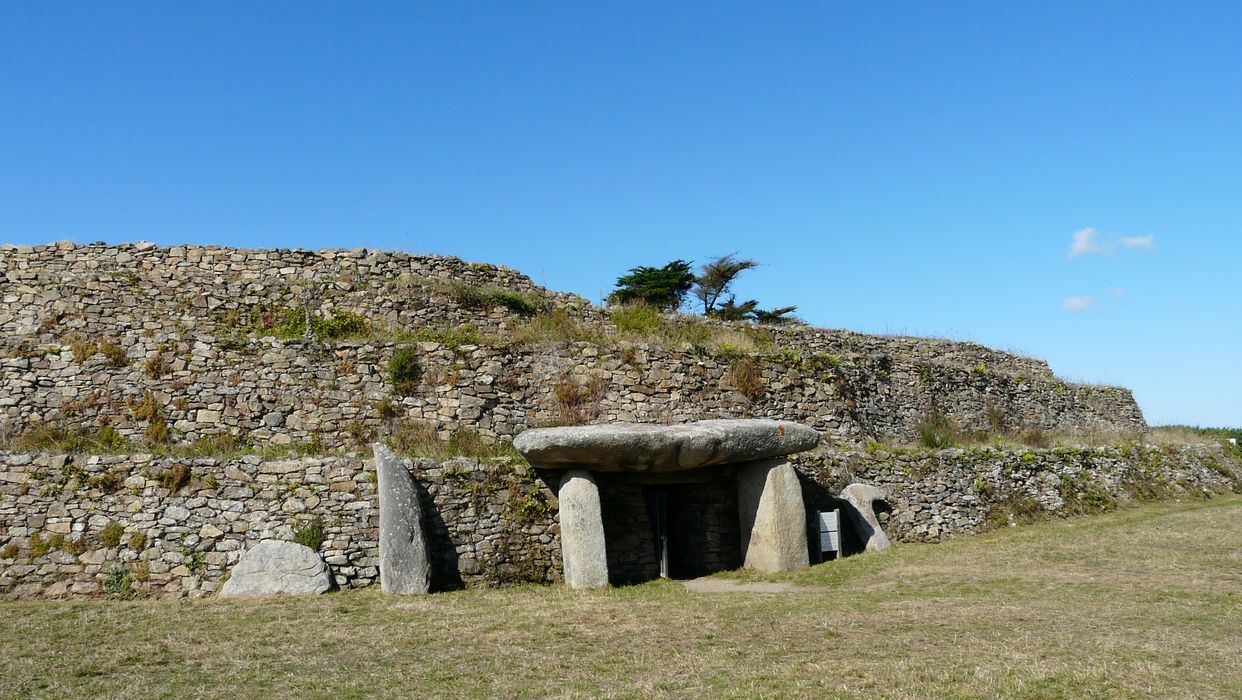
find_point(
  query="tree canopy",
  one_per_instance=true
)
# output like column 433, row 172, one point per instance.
column 665, row 288
column 716, row 277
column 662, row 287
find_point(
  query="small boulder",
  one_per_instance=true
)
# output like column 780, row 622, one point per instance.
column 276, row 567
column 859, row 508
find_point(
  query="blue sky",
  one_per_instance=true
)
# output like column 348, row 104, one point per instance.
column 900, row 167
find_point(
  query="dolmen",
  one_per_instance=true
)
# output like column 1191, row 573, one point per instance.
column 771, row 511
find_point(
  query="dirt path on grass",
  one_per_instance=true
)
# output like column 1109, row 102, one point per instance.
column 711, row 584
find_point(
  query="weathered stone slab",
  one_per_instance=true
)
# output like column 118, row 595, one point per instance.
column 859, row 508
column 645, row 447
column 404, row 565
column 276, row 567
column 582, row 531
column 773, row 516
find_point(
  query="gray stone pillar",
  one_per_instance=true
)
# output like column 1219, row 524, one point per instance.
column 773, row 517
column 859, row 506
column 582, row 531
column 404, row 565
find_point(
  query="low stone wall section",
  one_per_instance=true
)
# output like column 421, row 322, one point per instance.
column 67, row 522
column 938, row 495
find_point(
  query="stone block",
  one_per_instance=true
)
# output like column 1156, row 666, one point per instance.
column 773, row 516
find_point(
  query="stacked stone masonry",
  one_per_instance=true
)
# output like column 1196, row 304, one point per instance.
column 68, row 522
column 185, row 331
column 487, row 524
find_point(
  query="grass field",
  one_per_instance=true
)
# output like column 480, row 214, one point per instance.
column 1143, row 602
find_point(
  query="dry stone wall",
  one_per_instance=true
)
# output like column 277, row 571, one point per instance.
column 936, row 495
column 184, row 334
column 69, row 524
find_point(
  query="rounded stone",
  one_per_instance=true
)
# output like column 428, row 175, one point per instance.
column 274, row 567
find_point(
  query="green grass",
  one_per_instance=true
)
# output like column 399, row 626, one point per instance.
column 1144, row 602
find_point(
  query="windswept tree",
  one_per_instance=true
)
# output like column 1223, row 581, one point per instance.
column 662, row 287
column 716, row 277
column 775, row 316
column 730, row 310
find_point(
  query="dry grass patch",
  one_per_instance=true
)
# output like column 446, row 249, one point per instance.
column 1138, row 603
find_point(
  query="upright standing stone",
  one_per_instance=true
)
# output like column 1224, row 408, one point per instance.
column 772, row 515
column 404, row 566
column 859, row 507
column 582, row 531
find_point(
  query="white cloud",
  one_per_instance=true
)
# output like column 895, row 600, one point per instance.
column 1116, row 293
column 1087, row 241
column 1076, row 304
column 1138, row 242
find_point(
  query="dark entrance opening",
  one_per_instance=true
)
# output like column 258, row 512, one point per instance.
column 676, row 530
column 694, row 527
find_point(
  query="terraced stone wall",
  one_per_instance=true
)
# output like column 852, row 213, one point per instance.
column 186, row 337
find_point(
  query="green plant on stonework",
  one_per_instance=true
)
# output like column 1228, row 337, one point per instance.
column 114, row 355
column 415, row 438
column 404, row 371
column 42, row 437
column 40, row 546
column 530, row 508
column 290, row 324
column 10, row 551
column 157, row 365
column 1013, row 510
column 220, row 445
column 936, row 430
column 310, row 534
column 727, row 352
column 1083, row 495
column 557, row 325
column 150, row 410
column 118, row 583
column 514, row 301
column 138, row 541
column 175, row 478
column 386, row 408
column 110, row 535
column 577, row 401
column 746, row 376
column 358, row 432
column 110, row 440
column 195, row 560
column 641, row 319
column 873, row 446
column 82, row 349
